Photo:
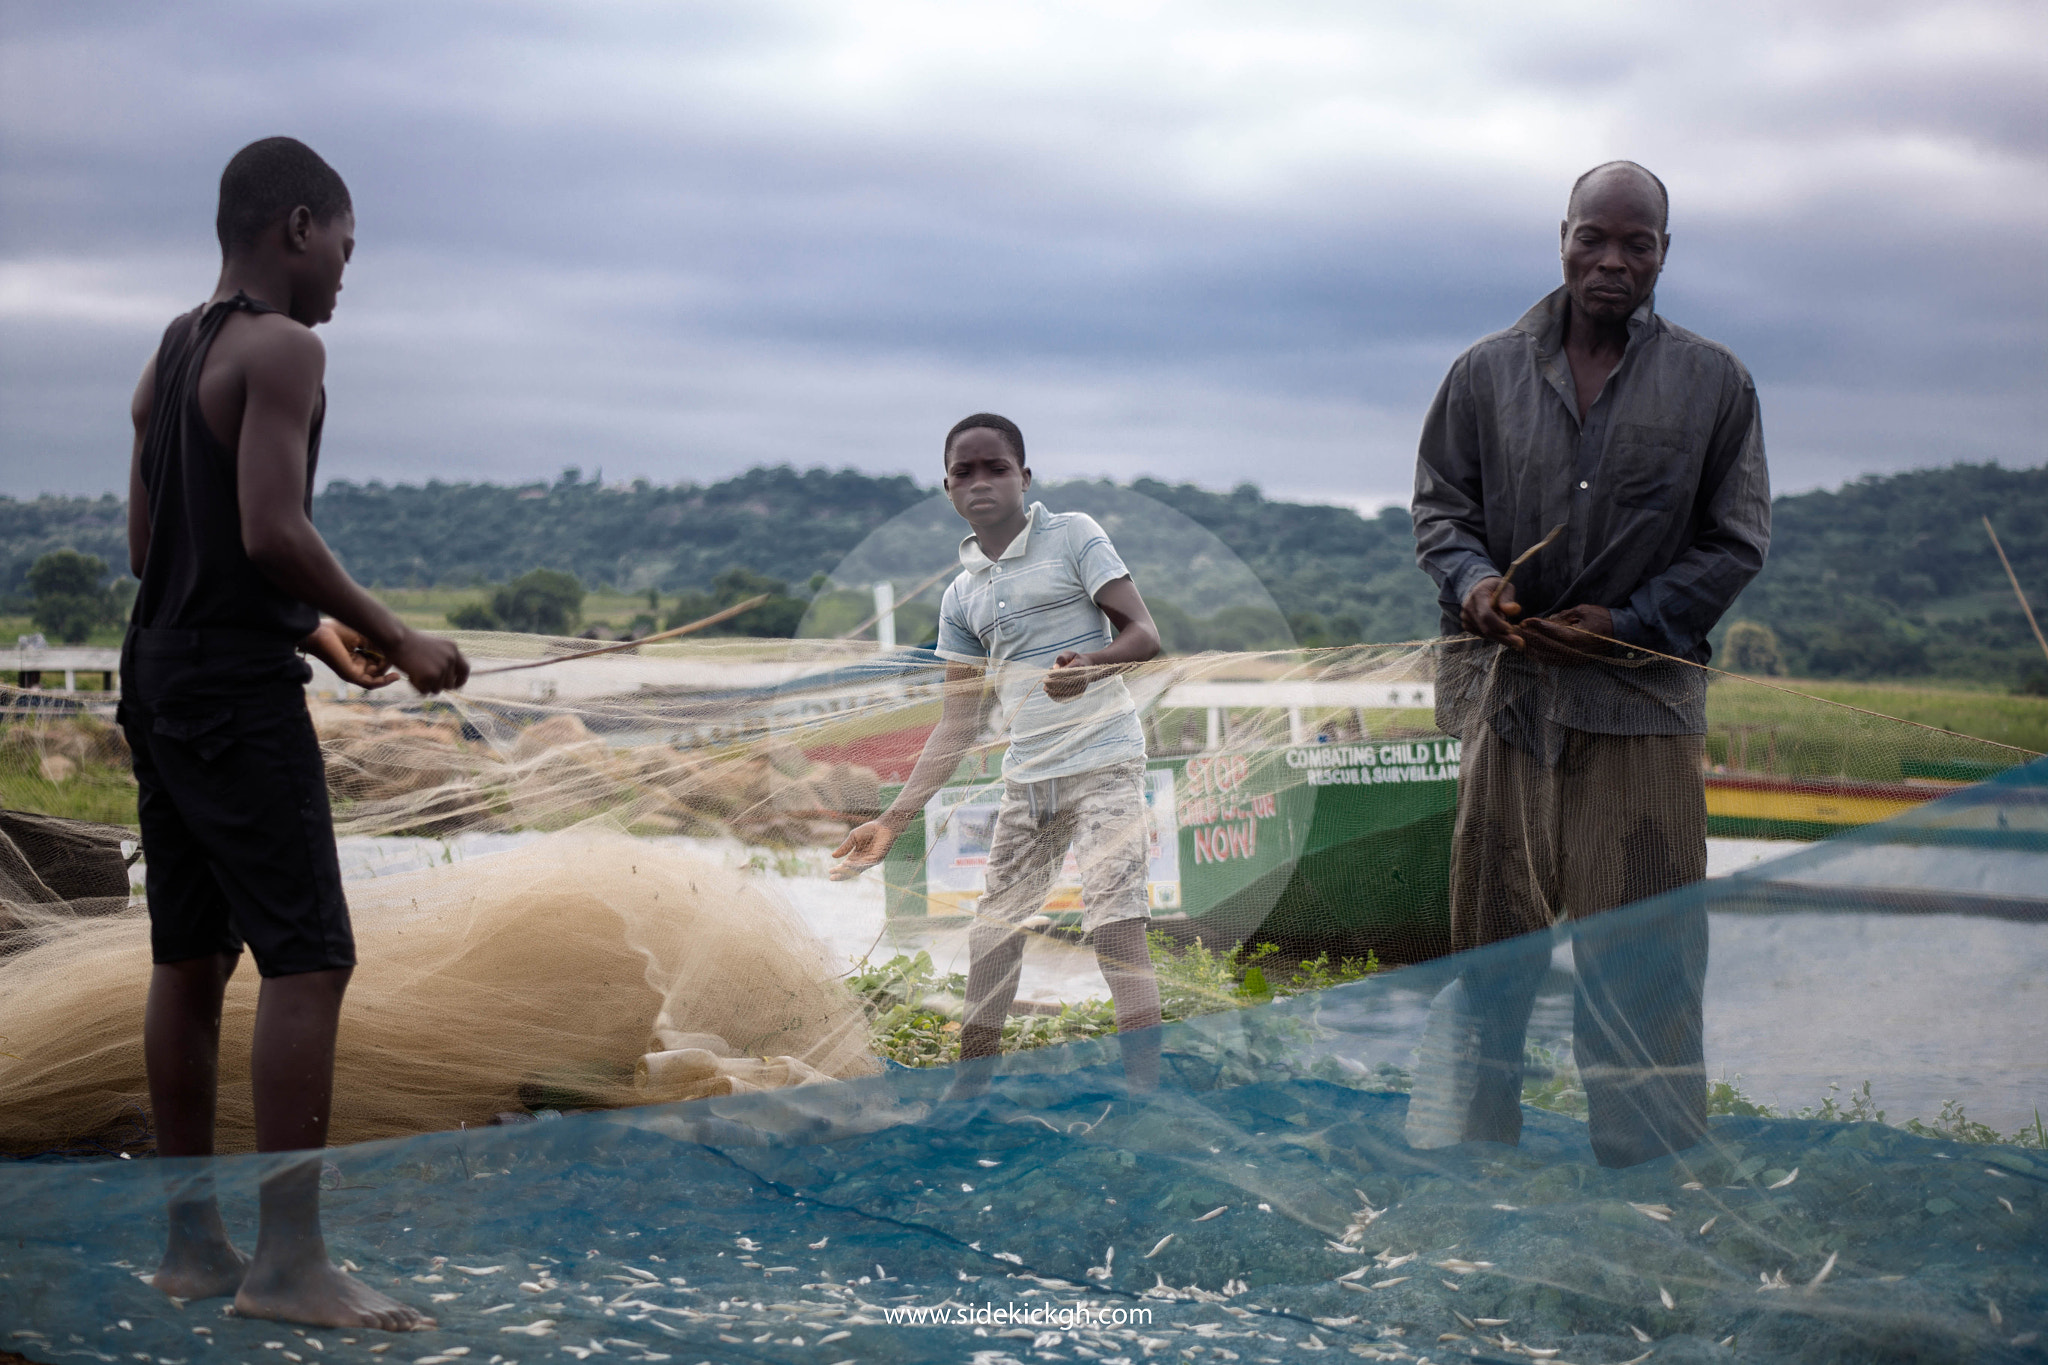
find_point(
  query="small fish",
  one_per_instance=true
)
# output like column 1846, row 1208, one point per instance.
column 539, row 1328
column 1774, row 1280
column 818, row 1245
column 1448, row 1285
column 1219, row 1209
column 985, row 1163
column 1997, row 1318
column 1660, row 1212
column 1641, row 1335
column 1709, row 1224
column 1692, row 1185
column 444, row 1298
column 1492, row 1322
column 1389, row 1261
column 1265, row 1208
column 1159, row 1246
column 2008, row 1205
column 1469, row 1322
column 1664, row 1295
column 1449, row 1336
column 1541, row 1352
column 479, row 1269
column 1507, row 1208
column 966, row 1188
column 1354, row 1274
column 1728, row 1340
column 1790, row 1176
column 1387, row 1284
column 1825, row 1271
column 1458, row 1267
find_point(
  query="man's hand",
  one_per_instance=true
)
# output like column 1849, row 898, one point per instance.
column 1490, row 609
column 430, row 663
column 349, row 654
column 1070, row 675
column 1576, row 635
column 864, row 846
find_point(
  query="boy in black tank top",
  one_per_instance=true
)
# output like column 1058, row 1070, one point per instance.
column 236, row 832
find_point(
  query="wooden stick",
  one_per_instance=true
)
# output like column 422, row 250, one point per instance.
column 2016, row 591
column 954, row 567
column 1527, row 555
column 713, row 619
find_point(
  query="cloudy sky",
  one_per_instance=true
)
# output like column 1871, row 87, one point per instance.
column 1212, row 242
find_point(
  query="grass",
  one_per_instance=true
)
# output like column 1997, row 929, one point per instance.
column 915, row 1011
column 1794, row 736
column 106, row 795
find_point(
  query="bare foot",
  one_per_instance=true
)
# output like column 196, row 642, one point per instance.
column 199, row 1261
column 321, row 1296
column 200, row 1272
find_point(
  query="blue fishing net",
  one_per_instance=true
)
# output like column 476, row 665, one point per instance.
column 1870, row 1184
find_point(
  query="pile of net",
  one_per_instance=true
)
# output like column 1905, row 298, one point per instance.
column 586, row 969
column 432, row 773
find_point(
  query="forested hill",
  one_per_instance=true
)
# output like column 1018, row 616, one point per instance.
column 1888, row 576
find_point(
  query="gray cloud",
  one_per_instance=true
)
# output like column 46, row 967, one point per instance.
column 1213, row 243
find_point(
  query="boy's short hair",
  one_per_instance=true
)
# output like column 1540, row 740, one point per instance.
column 267, row 180
column 990, row 422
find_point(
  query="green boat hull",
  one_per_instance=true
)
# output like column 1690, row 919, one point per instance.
column 1343, row 849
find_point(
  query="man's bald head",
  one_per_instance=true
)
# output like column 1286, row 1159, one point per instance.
column 1625, row 177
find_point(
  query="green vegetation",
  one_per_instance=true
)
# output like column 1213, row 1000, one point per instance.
column 76, row 768
column 1889, row 577
column 71, row 595
column 1893, row 577
column 916, row 1012
column 539, row 601
column 1761, row 729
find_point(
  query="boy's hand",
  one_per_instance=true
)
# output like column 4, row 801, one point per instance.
column 349, row 654
column 1067, row 685
column 430, row 663
column 865, row 846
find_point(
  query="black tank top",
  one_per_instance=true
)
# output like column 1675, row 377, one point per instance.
column 197, row 576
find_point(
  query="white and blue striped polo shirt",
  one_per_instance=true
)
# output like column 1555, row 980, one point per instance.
column 1015, row 615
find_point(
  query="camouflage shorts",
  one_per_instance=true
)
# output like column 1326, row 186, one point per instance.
column 1102, row 815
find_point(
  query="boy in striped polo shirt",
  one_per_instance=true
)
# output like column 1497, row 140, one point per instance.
column 1046, row 613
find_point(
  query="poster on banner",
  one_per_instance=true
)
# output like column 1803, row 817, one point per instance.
column 960, row 825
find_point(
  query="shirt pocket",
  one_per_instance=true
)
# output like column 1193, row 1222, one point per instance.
column 1650, row 469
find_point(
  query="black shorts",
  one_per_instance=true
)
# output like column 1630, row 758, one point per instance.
column 237, row 836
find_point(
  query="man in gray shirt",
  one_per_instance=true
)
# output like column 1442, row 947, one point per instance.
column 1582, row 714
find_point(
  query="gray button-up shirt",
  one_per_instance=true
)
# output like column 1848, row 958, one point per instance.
column 1662, row 491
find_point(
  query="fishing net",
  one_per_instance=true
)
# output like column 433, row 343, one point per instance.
column 623, row 1074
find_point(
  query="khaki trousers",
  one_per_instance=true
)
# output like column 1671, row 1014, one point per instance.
column 1618, row 818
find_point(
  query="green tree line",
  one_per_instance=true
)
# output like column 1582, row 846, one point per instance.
column 1888, row 576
